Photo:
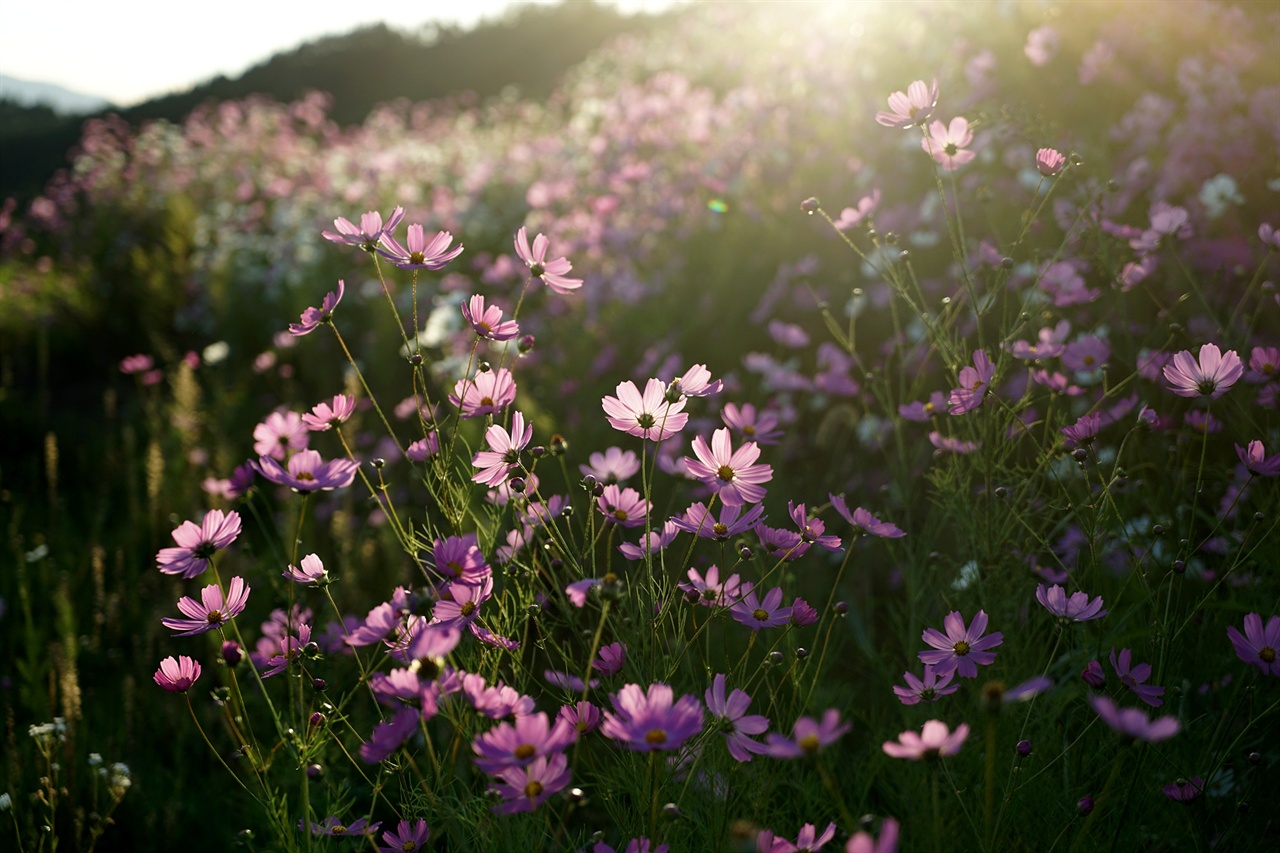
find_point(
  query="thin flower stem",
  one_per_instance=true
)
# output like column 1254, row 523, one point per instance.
column 217, row 754
column 834, row 790
column 365, row 385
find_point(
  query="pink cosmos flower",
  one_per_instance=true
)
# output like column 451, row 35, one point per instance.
column 406, row 838
column 553, row 273
column 337, row 827
column 308, row 472
column 311, row 573
column 1050, row 162
column 615, row 465
column 1093, row 675
column 932, row 688
column 934, row 741
column 525, row 788
column 921, row 412
column 520, row 743
column 611, row 659
column 1083, row 431
column 649, row 415
column 946, row 143
column 1042, row 44
column 177, row 676
column 733, row 475
column 1134, row 676
column 488, row 393
column 911, row 107
column 326, row 416
column 365, row 237
column 696, row 382
column 760, row 427
column 650, row 543
column 312, row 318
column 757, row 614
column 949, row 444
column 424, row 448
column 623, row 507
column 1255, row 460
column 1077, row 608
column 851, row 216
column 1185, row 790
column 1212, row 377
column 812, row 530
column 863, row 842
column 808, row 737
column 132, row 364
column 780, row 543
column 487, row 321
column 582, row 716
column 960, row 649
column 1088, row 353
column 1268, row 234
column 974, row 384
column 197, row 544
column 699, row 521
column 578, row 590
column 651, row 721
column 1133, row 722
column 417, row 253
column 567, row 681
column 503, row 456
column 280, row 433
column 212, row 611
column 709, row 591
column 1258, row 646
column 731, row 718
column 864, row 521
column 461, row 602
column 807, row 840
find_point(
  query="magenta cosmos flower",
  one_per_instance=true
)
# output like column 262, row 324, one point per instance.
column 932, row 688
column 1258, row 645
column 760, row 427
column 519, row 744
column 646, row 415
column 946, row 143
column 523, row 789
column 864, row 521
column 177, row 676
column 651, row 721
column 733, row 721
column 308, row 472
column 1077, row 608
column 212, row 611
column 487, row 320
column 552, row 273
column 733, row 475
column 488, row 393
column 280, row 433
column 974, row 383
column 312, row 317
column 911, row 107
column 1255, row 460
column 326, row 416
column 310, row 573
column 1133, row 677
column 503, row 456
column 699, row 521
column 935, row 740
column 863, row 842
column 615, row 465
column 757, row 614
column 808, row 736
column 366, row 236
column 406, row 838
column 808, row 840
column 417, row 253
column 1134, row 722
column 197, row 544
column 1215, row 373
column 960, row 649
column 1050, row 162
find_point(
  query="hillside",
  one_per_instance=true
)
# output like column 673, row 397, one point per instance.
column 529, row 49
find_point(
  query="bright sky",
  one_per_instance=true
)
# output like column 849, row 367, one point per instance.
column 130, row 50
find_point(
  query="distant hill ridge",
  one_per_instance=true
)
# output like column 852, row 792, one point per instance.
column 530, row 48
column 63, row 101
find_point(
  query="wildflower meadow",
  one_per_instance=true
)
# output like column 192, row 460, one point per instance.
column 815, row 426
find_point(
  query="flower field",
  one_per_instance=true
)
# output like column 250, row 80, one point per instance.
column 816, row 426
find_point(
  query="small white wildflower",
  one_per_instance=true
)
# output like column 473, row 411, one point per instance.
column 94, row 759
column 6, row 802
column 1218, row 194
